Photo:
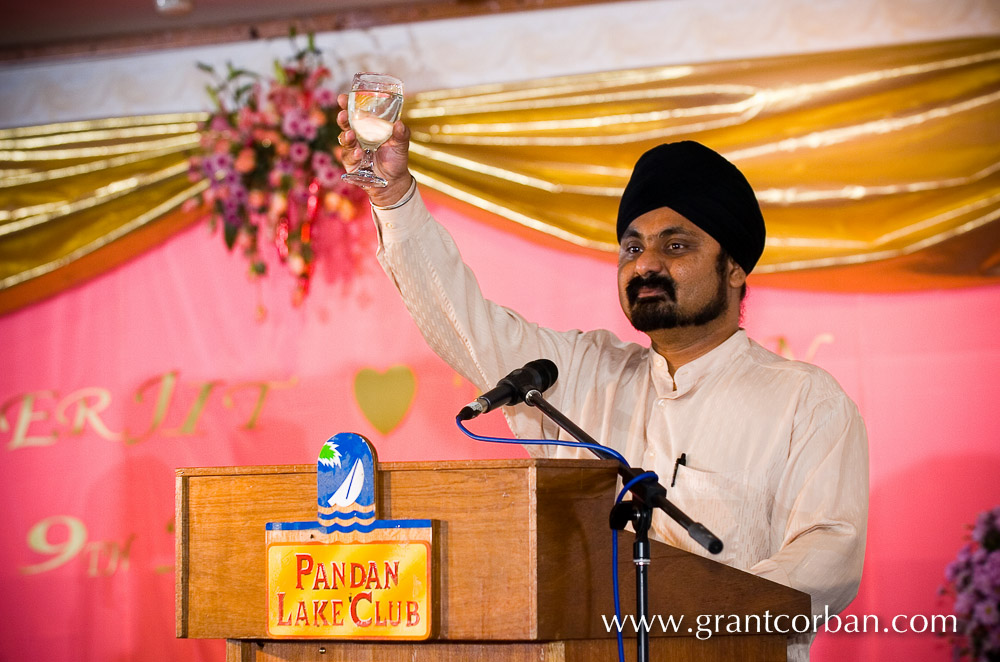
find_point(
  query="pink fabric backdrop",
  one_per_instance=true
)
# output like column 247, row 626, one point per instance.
column 88, row 549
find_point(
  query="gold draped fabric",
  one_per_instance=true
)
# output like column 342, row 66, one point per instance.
column 877, row 169
column 82, row 197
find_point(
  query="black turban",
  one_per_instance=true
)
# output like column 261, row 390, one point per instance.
column 705, row 188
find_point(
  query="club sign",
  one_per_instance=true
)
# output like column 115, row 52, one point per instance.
column 349, row 575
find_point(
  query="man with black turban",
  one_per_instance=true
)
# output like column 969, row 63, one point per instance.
column 775, row 454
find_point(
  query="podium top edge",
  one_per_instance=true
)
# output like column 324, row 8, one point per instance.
column 525, row 463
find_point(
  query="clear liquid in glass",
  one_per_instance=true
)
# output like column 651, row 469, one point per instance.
column 373, row 106
column 372, row 115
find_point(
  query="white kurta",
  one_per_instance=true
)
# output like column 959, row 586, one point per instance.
column 776, row 453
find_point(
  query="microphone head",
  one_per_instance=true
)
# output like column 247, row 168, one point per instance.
column 543, row 374
column 536, row 375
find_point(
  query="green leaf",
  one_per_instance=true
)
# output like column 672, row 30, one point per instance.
column 214, row 96
column 242, row 91
column 241, row 73
column 230, row 232
column 279, row 73
column 207, row 68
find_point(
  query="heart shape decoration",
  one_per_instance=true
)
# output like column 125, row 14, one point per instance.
column 385, row 397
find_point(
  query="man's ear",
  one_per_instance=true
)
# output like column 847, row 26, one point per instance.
column 737, row 277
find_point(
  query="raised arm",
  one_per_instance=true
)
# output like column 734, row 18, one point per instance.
column 480, row 339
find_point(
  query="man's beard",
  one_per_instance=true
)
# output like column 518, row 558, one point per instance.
column 661, row 312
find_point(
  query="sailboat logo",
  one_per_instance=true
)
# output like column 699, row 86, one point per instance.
column 386, row 565
column 346, row 482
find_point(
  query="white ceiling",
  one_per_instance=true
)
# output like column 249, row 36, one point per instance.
column 27, row 23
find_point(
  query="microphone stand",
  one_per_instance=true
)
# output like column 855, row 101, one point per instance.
column 646, row 495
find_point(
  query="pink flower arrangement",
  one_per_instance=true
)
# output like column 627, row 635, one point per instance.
column 974, row 579
column 270, row 154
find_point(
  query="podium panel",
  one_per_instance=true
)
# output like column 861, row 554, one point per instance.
column 721, row 649
column 522, row 558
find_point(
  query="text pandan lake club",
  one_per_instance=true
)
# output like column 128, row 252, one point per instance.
column 350, row 590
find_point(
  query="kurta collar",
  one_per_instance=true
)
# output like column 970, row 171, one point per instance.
column 691, row 374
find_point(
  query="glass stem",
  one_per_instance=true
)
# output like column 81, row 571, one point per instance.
column 366, row 161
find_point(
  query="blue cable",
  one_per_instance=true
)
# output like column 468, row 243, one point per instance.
column 541, row 442
column 621, row 495
column 614, row 559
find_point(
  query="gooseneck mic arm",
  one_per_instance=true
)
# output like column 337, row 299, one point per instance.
column 526, row 385
column 647, row 490
column 647, row 494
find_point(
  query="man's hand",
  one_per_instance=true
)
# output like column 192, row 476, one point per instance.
column 391, row 160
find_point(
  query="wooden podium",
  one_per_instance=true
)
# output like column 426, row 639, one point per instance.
column 523, row 557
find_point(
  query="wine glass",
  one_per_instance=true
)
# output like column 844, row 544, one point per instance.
column 372, row 108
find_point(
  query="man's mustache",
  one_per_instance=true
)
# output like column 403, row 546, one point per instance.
column 658, row 281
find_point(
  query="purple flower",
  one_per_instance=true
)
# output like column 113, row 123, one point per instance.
column 231, row 219
column 239, row 195
column 217, row 166
column 321, row 160
column 296, row 124
column 986, row 613
column 981, row 582
column 983, row 524
column 298, row 152
column 953, row 571
column 284, row 166
column 993, row 640
column 992, row 566
column 965, row 602
column 219, row 123
column 325, row 97
column 232, row 179
column 328, row 176
column 292, row 122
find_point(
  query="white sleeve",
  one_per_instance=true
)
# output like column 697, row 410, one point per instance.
column 480, row 339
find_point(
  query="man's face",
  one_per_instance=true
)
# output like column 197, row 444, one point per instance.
column 671, row 273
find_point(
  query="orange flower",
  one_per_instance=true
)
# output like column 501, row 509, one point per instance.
column 246, row 160
column 279, row 205
column 347, row 210
column 257, row 199
column 331, row 202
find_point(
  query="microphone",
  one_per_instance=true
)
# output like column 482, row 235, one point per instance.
column 536, row 375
